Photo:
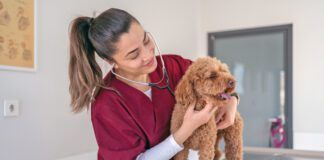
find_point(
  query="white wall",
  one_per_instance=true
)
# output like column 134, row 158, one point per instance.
column 46, row 129
column 308, row 52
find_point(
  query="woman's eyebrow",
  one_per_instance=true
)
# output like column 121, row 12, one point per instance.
column 136, row 48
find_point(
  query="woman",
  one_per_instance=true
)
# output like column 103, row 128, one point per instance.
column 131, row 119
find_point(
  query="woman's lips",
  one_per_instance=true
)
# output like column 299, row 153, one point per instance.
column 150, row 63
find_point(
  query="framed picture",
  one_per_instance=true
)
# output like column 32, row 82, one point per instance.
column 17, row 35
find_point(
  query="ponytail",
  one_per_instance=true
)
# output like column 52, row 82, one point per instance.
column 84, row 72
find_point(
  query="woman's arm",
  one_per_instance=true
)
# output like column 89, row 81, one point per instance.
column 164, row 150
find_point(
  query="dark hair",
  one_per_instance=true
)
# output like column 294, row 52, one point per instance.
column 87, row 37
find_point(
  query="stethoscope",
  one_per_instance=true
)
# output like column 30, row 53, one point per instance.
column 151, row 84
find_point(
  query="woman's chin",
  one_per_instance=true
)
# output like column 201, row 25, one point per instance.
column 153, row 67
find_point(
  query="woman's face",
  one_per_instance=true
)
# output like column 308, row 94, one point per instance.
column 135, row 52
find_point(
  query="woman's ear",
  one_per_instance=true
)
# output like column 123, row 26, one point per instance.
column 115, row 65
column 184, row 93
column 110, row 62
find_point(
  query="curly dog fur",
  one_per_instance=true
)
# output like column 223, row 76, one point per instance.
column 207, row 79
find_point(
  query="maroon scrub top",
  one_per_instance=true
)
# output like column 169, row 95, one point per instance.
column 126, row 122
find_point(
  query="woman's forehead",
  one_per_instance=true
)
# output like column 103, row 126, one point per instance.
column 130, row 40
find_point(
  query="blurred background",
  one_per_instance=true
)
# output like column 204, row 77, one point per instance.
column 274, row 48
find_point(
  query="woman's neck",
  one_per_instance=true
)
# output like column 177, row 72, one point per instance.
column 138, row 78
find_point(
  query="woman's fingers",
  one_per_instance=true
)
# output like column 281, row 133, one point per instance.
column 191, row 109
column 223, row 124
column 208, row 107
column 226, row 122
column 214, row 110
column 220, row 115
column 208, row 111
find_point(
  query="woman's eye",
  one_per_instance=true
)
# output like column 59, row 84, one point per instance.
column 134, row 55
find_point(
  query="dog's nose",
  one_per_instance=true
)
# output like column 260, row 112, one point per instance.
column 231, row 84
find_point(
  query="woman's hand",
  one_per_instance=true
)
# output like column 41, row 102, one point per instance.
column 226, row 114
column 192, row 120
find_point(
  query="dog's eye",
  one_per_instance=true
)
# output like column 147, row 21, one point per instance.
column 213, row 75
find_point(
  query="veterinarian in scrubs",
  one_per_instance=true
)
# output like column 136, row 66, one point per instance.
column 131, row 119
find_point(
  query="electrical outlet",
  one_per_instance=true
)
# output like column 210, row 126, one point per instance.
column 11, row 108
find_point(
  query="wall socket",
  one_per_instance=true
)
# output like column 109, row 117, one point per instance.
column 11, row 108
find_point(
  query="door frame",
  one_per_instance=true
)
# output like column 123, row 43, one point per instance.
column 287, row 30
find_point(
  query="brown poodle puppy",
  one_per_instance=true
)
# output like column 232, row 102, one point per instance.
column 207, row 79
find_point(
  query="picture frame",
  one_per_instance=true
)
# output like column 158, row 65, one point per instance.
column 18, row 47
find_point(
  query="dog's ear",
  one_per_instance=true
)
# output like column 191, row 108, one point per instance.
column 185, row 93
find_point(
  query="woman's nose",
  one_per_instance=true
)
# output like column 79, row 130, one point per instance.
column 148, row 52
